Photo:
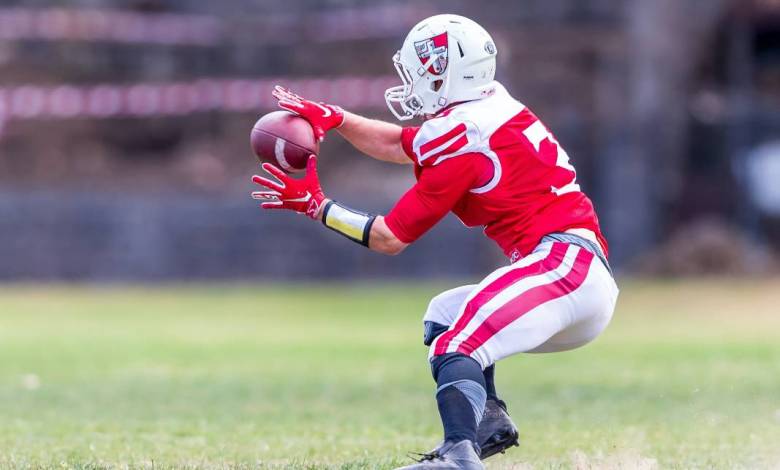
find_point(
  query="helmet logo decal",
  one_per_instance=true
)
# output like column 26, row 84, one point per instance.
column 435, row 46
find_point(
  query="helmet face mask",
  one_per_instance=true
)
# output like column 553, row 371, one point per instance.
column 403, row 100
column 445, row 59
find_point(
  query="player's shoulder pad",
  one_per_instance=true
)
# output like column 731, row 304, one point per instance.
column 445, row 137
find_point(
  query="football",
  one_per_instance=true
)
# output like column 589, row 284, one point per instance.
column 284, row 139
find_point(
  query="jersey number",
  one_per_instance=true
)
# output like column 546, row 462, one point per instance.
column 550, row 150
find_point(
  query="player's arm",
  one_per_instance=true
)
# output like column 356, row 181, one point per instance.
column 352, row 224
column 305, row 196
column 383, row 240
column 378, row 139
column 416, row 212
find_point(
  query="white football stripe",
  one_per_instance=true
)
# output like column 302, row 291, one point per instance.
column 279, row 153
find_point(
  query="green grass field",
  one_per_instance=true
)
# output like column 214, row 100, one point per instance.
column 687, row 376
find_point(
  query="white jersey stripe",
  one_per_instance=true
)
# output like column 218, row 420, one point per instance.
column 441, row 147
column 497, row 171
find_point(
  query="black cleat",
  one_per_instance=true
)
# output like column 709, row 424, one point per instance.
column 496, row 432
column 463, row 455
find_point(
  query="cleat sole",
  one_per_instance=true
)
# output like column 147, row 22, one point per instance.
column 499, row 443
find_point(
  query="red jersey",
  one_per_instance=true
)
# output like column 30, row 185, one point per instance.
column 493, row 164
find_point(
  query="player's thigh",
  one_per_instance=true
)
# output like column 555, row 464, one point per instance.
column 592, row 307
column 445, row 307
column 573, row 337
column 493, row 293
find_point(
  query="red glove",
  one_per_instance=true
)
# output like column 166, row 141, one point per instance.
column 322, row 117
column 303, row 196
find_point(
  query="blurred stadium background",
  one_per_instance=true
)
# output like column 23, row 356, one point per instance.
column 124, row 151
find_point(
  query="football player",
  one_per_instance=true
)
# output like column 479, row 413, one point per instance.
column 486, row 157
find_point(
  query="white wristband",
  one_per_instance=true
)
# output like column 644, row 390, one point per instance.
column 353, row 224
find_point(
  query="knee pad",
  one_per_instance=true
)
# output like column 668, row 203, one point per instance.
column 431, row 330
column 451, row 367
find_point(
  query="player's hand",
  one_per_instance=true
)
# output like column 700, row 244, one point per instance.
column 303, row 196
column 322, row 117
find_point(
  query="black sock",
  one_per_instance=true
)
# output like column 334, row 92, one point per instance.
column 461, row 395
column 490, row 384
column 457, row 416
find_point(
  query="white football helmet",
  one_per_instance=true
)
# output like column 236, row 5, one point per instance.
column 445, row 59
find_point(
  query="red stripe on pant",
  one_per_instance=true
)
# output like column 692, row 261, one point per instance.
column 549, row 263
column 528, row 301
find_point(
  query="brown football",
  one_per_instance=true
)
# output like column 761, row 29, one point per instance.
column 284, row 139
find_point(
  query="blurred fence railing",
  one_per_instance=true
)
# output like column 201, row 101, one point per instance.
column 72, row 24
column 108, row 25
column 179, row 98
